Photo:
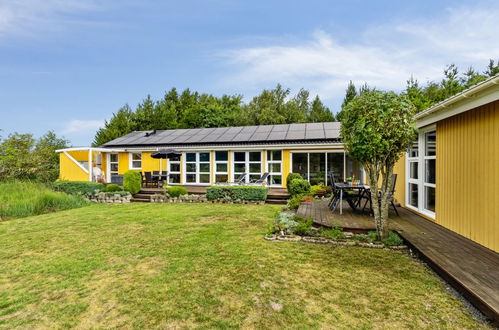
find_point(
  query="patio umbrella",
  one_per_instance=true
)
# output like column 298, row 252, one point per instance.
column 163, row 154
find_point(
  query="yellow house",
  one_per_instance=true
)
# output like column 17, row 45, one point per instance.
column 451, row 173
column 211, row 155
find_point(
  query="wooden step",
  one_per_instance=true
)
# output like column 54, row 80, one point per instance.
column 276, row 201
column 140, row 200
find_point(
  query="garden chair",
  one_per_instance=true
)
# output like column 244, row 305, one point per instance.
column 148, row 179
column 392, row 192
column 261, row 181
column 239, row 181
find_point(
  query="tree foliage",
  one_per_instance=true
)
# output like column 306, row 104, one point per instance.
column 191, row 110
column 376, row 128
column 22, row 157
column 424, row 96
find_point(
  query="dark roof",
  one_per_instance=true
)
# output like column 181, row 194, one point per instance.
column 265, row 134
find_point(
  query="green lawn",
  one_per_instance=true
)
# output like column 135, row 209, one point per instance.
column 203, row 265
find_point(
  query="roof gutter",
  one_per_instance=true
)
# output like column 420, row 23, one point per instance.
column 458, row 97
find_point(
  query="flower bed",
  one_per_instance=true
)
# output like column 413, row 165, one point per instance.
column 166, row 198
column 290, row 227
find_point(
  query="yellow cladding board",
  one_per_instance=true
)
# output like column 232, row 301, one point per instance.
column 399, row 169
column 467, row 201
column 286, row 165
column 123, row 162
column 68, row 170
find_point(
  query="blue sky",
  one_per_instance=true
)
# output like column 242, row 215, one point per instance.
column 67, row 65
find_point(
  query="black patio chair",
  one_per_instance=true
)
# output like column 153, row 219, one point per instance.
column 148, row 179
column 352, row 197
column 260, row 181
column 369, row 200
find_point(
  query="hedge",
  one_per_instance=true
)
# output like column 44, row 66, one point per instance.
column 112, row 188
column 176, row 191
column 132, row 181
column 292, row 176
column 78, row 187
column 247, row 193
column 298, row 186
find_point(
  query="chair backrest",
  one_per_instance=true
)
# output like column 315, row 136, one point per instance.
column 394, row 180
column 241, row 178
column 263, row 178
column 155, row 172
column 148, row 176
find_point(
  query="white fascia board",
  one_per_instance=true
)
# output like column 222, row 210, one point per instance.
column 90, row 149
column 466, row 103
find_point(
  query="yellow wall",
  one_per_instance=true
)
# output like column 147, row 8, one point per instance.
column 286, row 166
column 467, row 198
column 68, row 170
column 123, row 162
column 399, row 169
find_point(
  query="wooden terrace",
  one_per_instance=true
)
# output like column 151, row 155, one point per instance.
column 470, row 268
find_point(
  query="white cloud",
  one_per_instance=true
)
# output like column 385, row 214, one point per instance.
column 82, row 127
column 385, row 57
column 31, row 17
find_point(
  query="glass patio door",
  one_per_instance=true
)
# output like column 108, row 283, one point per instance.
column 197, row 168
column 249, row 162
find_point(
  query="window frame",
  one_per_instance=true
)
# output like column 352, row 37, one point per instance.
column 269, row 167
column 179, row 172
column 223, row 162
column 420, row 182
column 131, row 160
column 247, row 164
column 198, row 172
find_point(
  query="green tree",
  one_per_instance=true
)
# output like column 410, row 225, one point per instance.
column 319, row 113
column 350, row 94
column 121, row 123
column 16, row 161
column 376, row 128
column 492, row 68
column 46, row 159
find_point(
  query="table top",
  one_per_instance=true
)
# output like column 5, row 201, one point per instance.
column 349, row 186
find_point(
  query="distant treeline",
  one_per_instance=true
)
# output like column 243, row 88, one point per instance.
column 188, row 109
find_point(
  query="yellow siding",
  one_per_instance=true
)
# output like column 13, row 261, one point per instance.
column 467, row 197
column 123, row 162
column 399, row 169
column 286, row 166
column 69, row 170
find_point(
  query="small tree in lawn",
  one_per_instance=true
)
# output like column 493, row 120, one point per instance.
column 376, row 127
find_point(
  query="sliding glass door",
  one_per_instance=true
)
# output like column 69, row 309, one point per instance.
column 197, row 168
column 249, row 162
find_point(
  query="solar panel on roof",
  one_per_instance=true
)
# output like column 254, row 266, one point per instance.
column 297, row 127
column 280, row 128
column 295, row 135
column 275, row 136
column 314, row 126
column 265, row 128
column 242, row 137
column 260, row 136
column 315, row 134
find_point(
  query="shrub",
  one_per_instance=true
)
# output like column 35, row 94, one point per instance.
column 298, row 186
column 333, row 233
column 292, row 176
column 247, row 193
column 318, row 189
column 283, row 223
column 176, row 191
column 112, row 188
column 78, row 187
column 303, row 227
column 295, row 201
column 393, row 239
column 132, row 181
column 22, row 199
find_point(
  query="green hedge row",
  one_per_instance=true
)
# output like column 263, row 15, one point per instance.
column 247, row 193
column 78, row 187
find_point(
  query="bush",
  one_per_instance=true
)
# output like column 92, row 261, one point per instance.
column 298, row 186
column 176, row 191
column 132, row 181
column 283, row 224
column 78, row 187
column 292, row 176
column 303, row 227
column 23, row 199
column 318, row 189
column 247, row 193
column 333, row 233
column 112, row 188
column 393, row 239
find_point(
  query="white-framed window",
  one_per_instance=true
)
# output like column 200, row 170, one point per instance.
column 421, row 161
column 221, row 166
column 135, row 160
column 112, row 165
column 249, row 162
column 174, row 169
column 274, row 167
column 197, row 168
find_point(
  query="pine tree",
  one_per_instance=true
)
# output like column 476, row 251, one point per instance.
column 350, row 94
column 319, row 113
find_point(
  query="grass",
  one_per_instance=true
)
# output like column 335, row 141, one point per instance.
column 199, row 265
column 22, row 199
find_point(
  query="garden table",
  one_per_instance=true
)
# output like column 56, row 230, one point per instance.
column 362, row 188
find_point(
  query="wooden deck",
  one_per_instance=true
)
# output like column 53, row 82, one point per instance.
column 470, row 268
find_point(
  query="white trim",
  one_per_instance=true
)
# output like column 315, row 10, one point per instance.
column 90, row 165
column 75, row 161
column 478, row 95
column 198, row 172
column 90, row 148
column 130, row 161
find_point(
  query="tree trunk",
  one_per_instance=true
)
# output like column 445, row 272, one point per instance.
column 380, row 198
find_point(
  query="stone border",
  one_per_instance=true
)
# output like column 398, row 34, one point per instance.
column 109, row 197
column 194, row 198
column 323, row 240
